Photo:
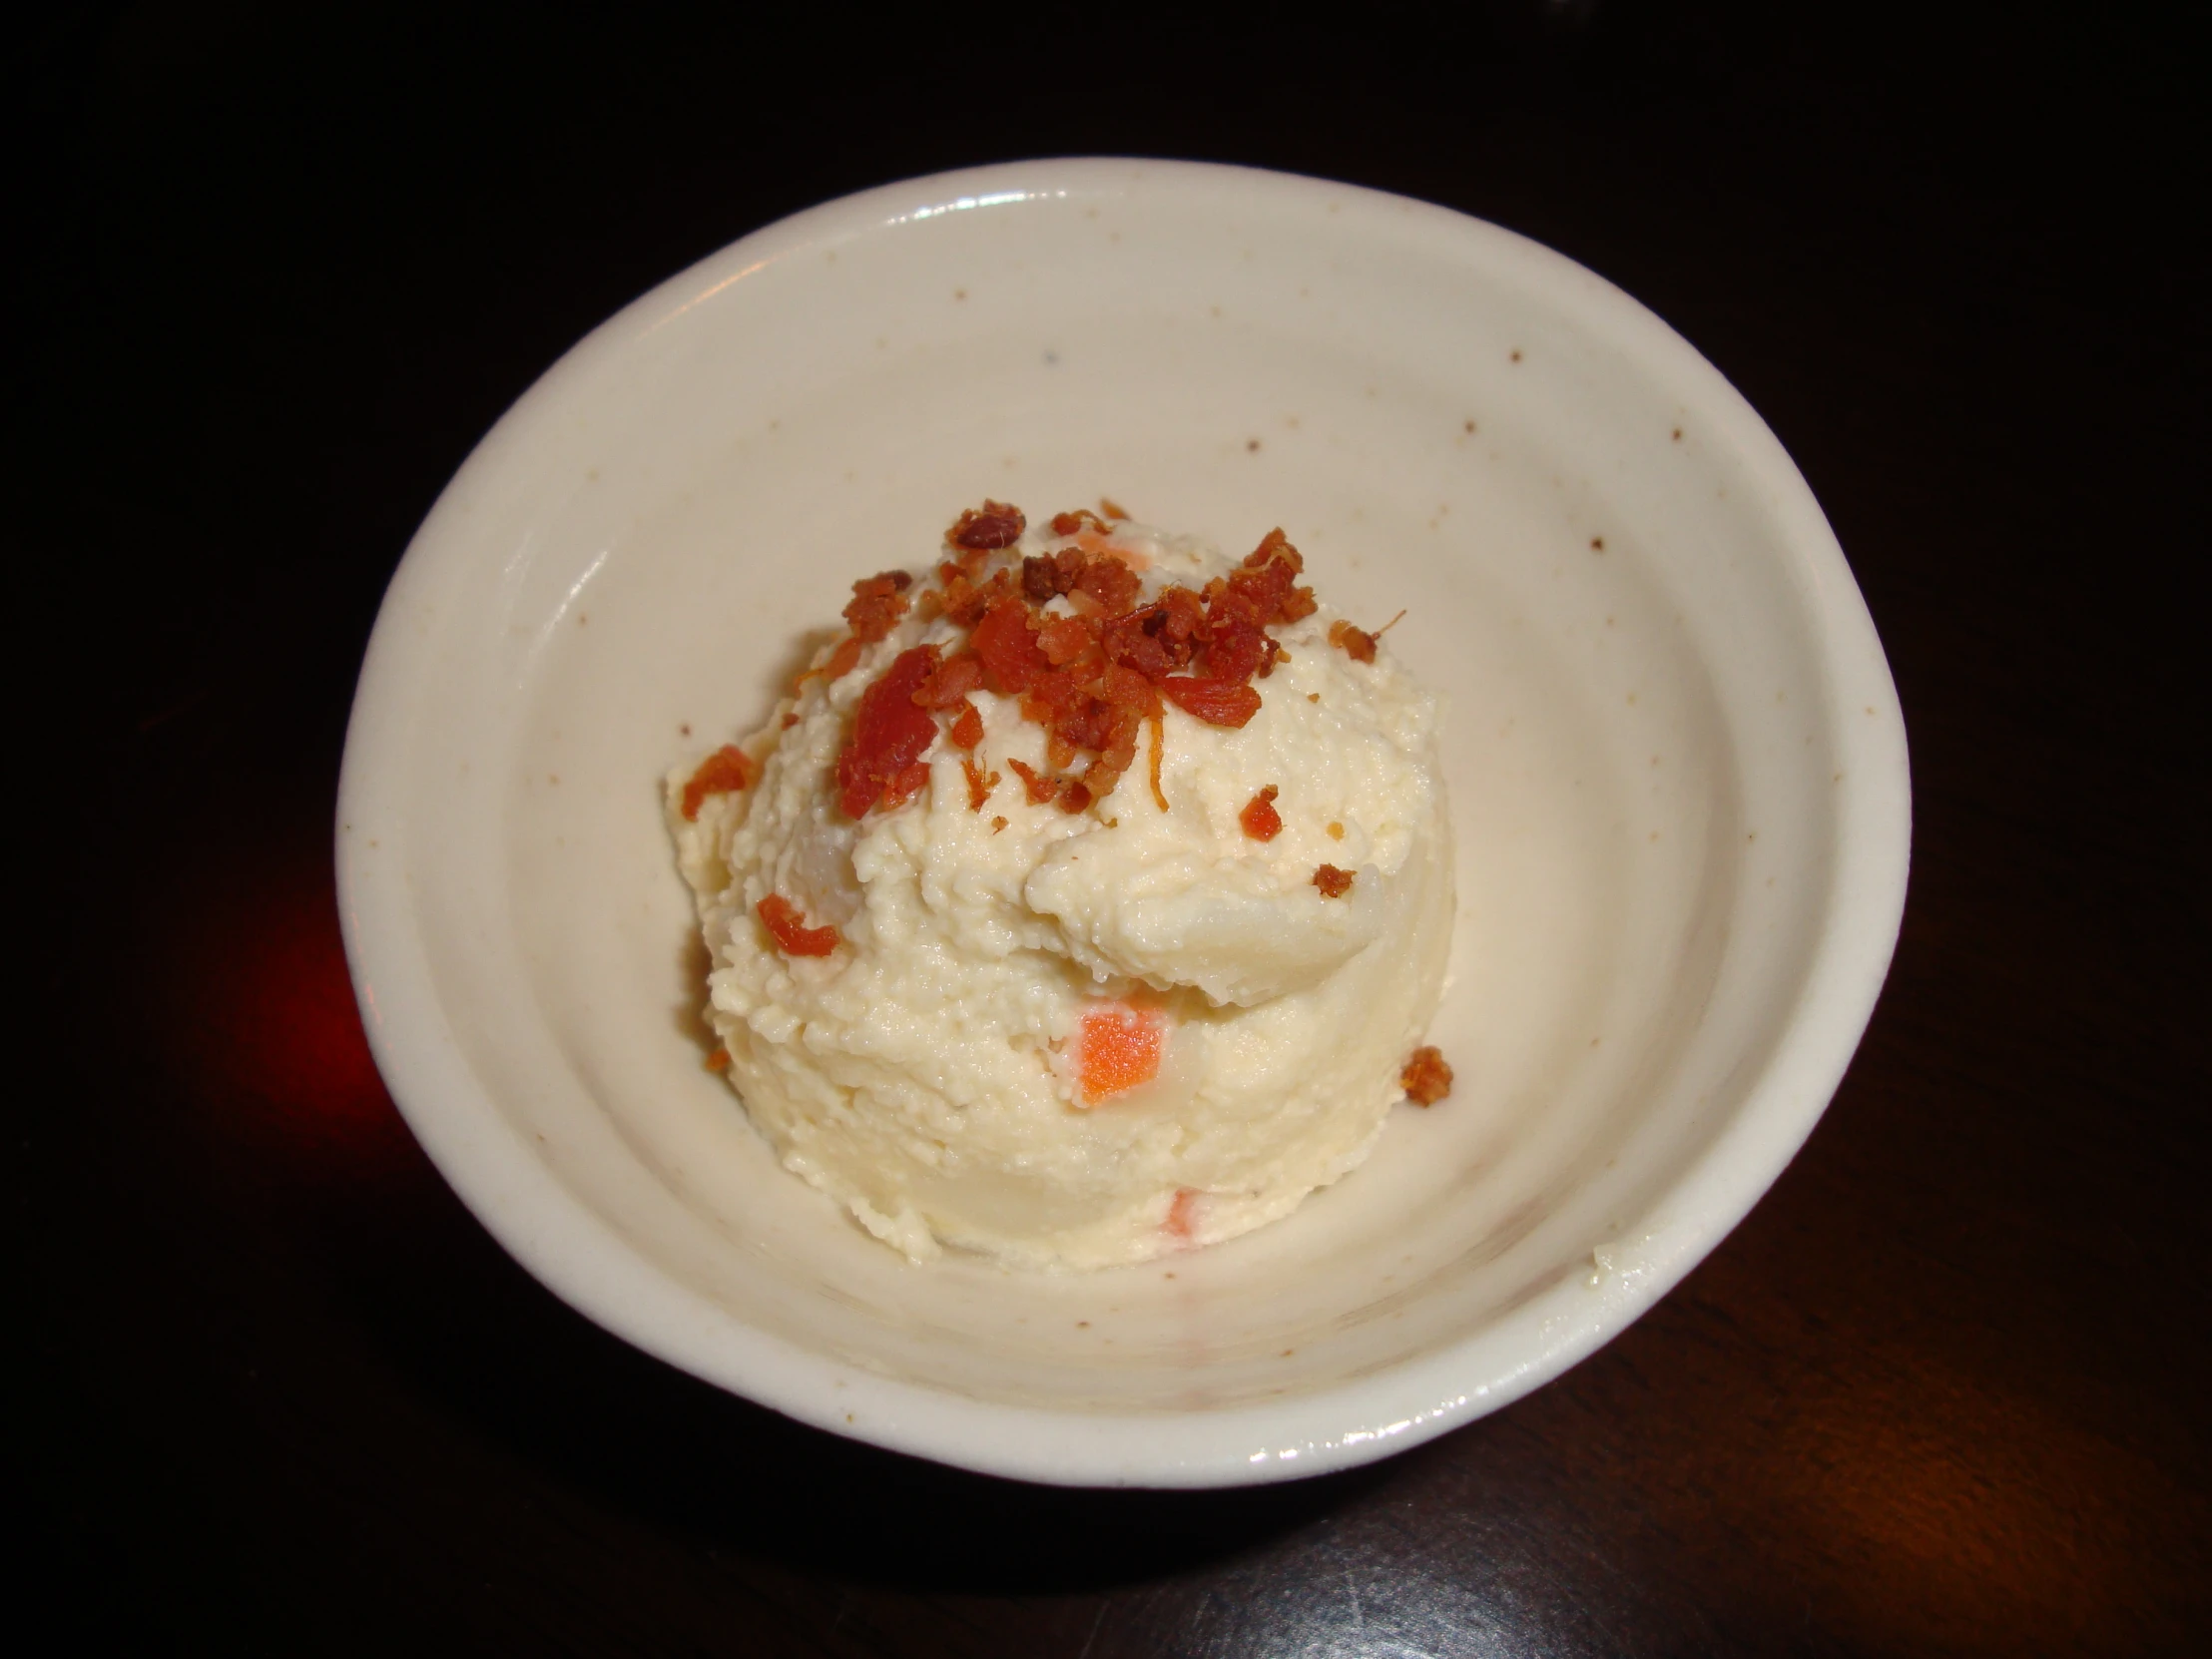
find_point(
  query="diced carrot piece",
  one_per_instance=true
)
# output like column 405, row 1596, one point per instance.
column 1182, row 1214
column 1120, row 1049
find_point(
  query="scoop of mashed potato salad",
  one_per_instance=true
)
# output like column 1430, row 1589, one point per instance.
column 1086, row 902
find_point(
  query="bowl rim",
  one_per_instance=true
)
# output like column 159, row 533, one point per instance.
column 581, row 1257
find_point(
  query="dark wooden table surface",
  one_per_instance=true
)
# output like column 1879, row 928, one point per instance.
column 1945, row 1391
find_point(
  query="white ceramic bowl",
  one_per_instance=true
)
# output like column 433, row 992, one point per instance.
column 1677, row 771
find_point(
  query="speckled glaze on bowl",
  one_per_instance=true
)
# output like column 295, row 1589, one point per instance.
column 1677, row 768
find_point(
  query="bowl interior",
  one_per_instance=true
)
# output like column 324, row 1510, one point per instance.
column 1667, row 720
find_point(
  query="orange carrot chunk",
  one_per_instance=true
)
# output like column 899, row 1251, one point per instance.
column 1120, row 1049
column 1182, row 1214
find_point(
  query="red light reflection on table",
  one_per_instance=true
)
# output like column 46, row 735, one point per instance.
column 268, row 1029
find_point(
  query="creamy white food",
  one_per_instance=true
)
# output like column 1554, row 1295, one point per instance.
column 929, row 1074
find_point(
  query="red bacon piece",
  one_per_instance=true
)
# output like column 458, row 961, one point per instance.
column 1003, row 640
column 787, row 924
column 950, row 682
column 1260, row 819
column 1053, row 694
column 837, row 667
column 1275, row 545
column 988, row 527
column 1040, row 579
column 979, row 782
column 1427, row 1078
column 905, row 786
column 1265, row 590
column 1127, row 688
column 1238, row 653
column 878, row 604
column 967, row 727
column 880, row 763
column 1065, row 638
column 724, row 770
column 1356, row 642
column 1215, row 701
column 1111, row 583
column 1041, row 788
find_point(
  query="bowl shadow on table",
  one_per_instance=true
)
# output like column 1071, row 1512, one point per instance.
column 626, row 1431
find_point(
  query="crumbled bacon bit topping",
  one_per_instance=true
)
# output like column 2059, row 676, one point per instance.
column 1108, row 506
column 837, row 667
column 979, row 785
column 881, row 764
column 988, row 527
column 1005, row 639
column 1092, row 670
column 1040, row 579
column 724, row 772
column 1109, row 584
column 1426, row 1079
column 878, row 604
column 950, row 682
column 1333, row 883
column 794, row 937
column 1041, row 788
column 967, row 727
column 1260, row 819
column 1215, row 701
column 1356, row 642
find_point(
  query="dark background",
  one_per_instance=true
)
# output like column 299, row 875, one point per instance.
column 1943, row 1393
